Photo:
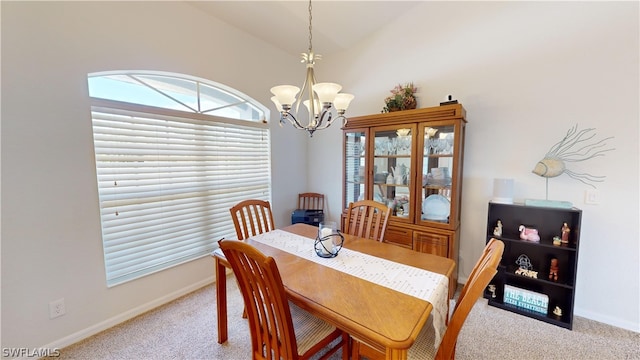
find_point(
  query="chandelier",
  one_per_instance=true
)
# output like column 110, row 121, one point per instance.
column 321, row 97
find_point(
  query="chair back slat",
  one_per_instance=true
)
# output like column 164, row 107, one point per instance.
column 252, row 217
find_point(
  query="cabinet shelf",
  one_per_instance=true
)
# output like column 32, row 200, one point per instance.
column 396, row 185
column 436, row 187
column 404, row 156
column 438, row 155
column 548, row 222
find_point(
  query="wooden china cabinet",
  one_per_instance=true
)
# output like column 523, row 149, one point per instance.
column 411, row 161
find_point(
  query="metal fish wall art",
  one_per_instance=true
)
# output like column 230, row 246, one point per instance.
column 574, row 147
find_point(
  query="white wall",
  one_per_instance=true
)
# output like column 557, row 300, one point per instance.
column 525, row 72
column 51, row 243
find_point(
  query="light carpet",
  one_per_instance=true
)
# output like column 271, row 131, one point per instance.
column 187, row 329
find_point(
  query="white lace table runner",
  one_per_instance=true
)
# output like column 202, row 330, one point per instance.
column 419, row 283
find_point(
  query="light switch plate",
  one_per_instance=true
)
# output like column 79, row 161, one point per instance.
column 592, row 197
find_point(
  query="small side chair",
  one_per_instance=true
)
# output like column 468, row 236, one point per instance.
column 311, row 201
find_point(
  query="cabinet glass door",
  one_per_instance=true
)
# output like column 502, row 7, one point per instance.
column 437, row 172
column 392, row 163
column 355, row 166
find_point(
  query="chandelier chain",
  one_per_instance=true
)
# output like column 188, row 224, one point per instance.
column 310, row 33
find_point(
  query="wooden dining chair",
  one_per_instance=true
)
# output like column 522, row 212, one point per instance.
column 252, row 217
column 279, row 329
column 367, row 219
column 424, row 346
column 311, row 201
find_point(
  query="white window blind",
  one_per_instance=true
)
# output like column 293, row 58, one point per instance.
column 166, row 184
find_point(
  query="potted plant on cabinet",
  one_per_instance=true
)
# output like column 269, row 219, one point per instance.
column 402, row 98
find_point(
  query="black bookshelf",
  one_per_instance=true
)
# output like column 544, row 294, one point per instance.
column 548, row 221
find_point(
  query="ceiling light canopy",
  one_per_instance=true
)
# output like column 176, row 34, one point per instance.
column 321, row 98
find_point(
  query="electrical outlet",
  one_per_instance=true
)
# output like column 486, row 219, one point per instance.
column 56, row 308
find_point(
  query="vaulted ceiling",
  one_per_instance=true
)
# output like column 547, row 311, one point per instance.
column 336, row 25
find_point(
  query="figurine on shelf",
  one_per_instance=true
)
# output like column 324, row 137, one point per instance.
column 527, row 273
column 525, row 267
column 557, row 311
column 497, row 231
column 529, row 234
column 524, row 262
column 557, row 241
column 553, row 270
column 492, row 290
column 565, row 233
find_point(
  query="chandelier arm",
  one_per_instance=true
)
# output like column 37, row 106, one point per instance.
column 310, row 81
column 292, row 119
column 332, row 120
column 307, row 85
column 326, row 113
column 344, row 120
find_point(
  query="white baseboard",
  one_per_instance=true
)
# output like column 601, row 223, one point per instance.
column 104, row 325
column 623, row 324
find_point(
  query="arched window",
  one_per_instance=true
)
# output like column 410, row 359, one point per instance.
column 173, row 153
column 177, row 92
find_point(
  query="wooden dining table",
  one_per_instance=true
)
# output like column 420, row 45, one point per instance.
column 385, row 319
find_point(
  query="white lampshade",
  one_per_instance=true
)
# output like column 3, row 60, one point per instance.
column 285, row 94
column 326, row 91
column 276, row 102
column 316, row 108
column 342, row 101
